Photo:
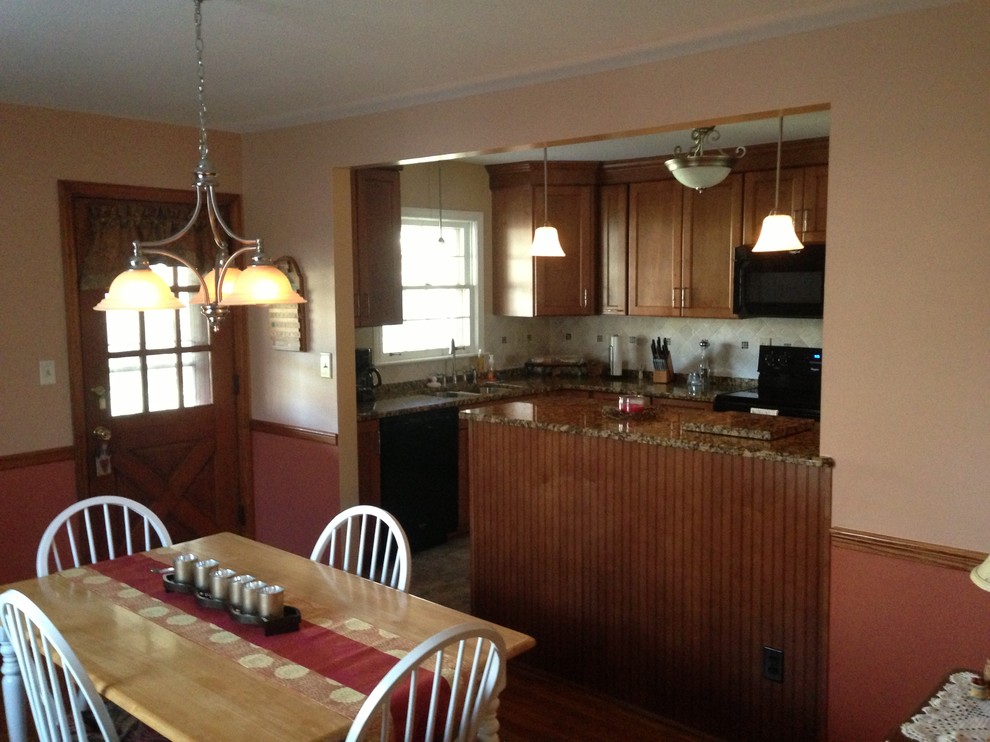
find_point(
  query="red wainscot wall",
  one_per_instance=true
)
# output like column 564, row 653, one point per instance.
column 899, row 622
column 296, row 485
column 34, row 488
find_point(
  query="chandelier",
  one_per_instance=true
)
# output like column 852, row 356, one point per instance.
column 698, row 170
column 225, row 285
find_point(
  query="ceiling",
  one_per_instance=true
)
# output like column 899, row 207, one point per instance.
column 275, row 63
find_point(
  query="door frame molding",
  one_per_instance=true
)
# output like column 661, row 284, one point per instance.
column 68, row 192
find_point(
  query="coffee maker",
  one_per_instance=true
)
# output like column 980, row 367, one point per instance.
column 367, row 379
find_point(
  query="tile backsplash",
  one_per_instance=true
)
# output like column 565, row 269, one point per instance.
column 513, row 340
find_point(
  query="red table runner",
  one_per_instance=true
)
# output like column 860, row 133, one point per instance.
column 336, row 662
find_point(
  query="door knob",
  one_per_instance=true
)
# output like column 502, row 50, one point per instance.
column 101, row 432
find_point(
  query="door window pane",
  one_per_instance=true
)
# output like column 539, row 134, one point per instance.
column 126, row 386
column 197, row 388
column 163, row 382
column 123, row 331
column 159, row 330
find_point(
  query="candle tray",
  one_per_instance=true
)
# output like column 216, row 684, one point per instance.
column 289, row 620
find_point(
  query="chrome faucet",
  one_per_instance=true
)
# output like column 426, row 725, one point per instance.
column 453, row 361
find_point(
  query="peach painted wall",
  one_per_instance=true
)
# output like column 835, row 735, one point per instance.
column 29, row 498
column 295, row 490
column 905, row 333
column 39, row 147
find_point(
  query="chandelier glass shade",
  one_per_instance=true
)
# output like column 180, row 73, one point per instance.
column 980, row 574
column 261, row 283
column 697, row 170
column 777, row 233
column 546, row 241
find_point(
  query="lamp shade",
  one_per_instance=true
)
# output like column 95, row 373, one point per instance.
column 980, row 575
column 546, row 243
column 778, row 235
column 139, row 289
column 210, row 279
column 700, row 171
column 261, row 284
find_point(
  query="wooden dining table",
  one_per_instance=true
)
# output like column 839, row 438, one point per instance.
column 191, row 673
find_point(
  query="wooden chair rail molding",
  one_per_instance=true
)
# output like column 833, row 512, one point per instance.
column 35, row 458
column 918, row 551
column 291, row 431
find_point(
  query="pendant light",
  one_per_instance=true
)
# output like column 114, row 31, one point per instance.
column 777, row 233
column 546, row 242
column 696, row 169
column 225, row 285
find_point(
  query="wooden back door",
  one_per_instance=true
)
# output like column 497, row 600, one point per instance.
column 156, row 412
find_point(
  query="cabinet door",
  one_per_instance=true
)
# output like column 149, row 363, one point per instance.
column 655, row 248
column 512, row 266
column 613, row 211
column 377, row 216
column 810, row 220
column 712, row 228
column 758, row 198
column 565, row 286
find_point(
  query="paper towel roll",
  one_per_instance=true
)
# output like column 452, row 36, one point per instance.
column 614, row 356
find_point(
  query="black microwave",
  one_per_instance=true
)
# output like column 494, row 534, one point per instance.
column 779, row 284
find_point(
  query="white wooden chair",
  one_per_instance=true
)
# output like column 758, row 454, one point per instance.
column 473, row 658
column 77, row 529
column 59, row 692
column 369, row 542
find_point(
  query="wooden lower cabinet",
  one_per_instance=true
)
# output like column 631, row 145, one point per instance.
column 657, row 575
column 369, row 464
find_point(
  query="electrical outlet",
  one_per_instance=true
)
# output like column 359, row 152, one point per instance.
column 567, row 336
column 599, row 338
column 745, row 345
column 773, row 664
column 326, row 365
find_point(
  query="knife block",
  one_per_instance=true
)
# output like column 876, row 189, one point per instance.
column 667, row 374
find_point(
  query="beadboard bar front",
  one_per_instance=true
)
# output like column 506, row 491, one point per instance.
column 658, row 574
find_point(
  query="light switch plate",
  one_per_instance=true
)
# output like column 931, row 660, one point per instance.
column 326, row 365
column 46, row 372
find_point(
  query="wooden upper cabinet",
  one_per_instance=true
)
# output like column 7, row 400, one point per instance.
column 524, row 286
column 377, row 224
column 712, row 227
column 613, row 231
column 655, row 248
column 803, row 195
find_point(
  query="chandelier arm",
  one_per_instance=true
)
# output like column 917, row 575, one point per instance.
column 214, row 212
column 142, row 244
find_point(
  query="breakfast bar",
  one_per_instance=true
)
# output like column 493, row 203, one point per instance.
column 673, row 558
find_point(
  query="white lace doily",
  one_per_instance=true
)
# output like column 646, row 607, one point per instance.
column 952, row 715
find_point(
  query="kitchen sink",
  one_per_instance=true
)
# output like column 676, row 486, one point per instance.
column 453, row 393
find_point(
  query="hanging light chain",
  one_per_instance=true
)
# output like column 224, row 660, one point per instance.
column 546, row 213
column 780, row 141
column 203, row 148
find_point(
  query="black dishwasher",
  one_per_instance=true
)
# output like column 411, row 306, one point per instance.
column 419, row 473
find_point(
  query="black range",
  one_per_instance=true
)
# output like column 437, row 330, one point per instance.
column 789, row 384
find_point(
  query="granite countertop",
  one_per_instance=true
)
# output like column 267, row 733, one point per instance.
column 792, row 440
column 403, row 399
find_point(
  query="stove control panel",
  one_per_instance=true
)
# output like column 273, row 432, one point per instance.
column 787, row 359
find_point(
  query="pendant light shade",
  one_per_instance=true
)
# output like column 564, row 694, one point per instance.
column 138, row 288
column 546, row 241
column 261, row 283
column 777, row 233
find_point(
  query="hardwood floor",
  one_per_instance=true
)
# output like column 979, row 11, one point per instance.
column 535, row 706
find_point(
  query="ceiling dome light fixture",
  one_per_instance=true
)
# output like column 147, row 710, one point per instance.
column 261, row 283
column 696, row 169
column 546, row 241
column 777, row 233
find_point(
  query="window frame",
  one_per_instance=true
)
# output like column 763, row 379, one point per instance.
column 475, row 220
